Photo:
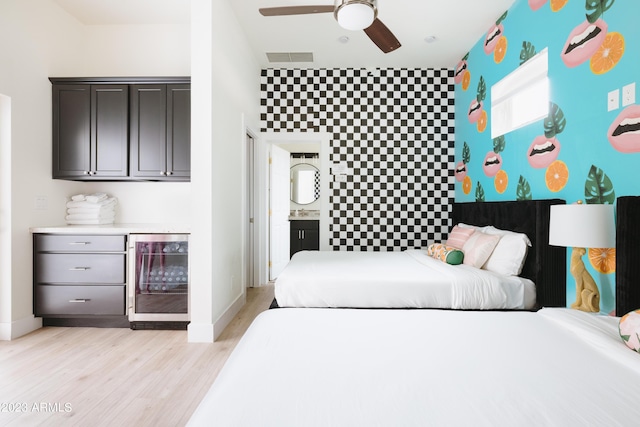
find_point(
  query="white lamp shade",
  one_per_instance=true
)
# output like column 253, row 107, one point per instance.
column 356, row 16
column 582, row 226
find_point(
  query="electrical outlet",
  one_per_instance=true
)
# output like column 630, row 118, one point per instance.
column 629, row 94
column 613, row 100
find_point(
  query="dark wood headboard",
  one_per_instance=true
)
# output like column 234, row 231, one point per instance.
column 545, row 265
column 627, row 258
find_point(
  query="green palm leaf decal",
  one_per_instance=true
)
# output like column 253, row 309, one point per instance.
column 555, row 122
column 596, row 8
column 466, row 153
column 528, row 51
column 479, row 193
column 502, row 18
column 598, row 189
column 498, row 144
column 523, row 192
column 482, row 90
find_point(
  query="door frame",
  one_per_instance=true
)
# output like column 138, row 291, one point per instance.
column 262, row 177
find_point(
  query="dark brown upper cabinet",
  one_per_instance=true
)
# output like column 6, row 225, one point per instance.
column 108, row 129
column 160, row 131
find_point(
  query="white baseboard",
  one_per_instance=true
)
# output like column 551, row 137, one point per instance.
column 200, row 332
column 18, row 328
column 228, row 315
column 206, row 332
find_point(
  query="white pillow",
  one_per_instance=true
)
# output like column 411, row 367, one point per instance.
column 478, row 248
column 509, row 254
column 474, row 227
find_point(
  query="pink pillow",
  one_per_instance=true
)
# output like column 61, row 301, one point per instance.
column 459, row 236
column 478, row 248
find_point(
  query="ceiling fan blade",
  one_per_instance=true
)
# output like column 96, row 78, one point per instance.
column 294, row 10
column 382, row 36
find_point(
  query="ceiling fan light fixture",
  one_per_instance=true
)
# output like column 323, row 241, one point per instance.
column 355, row 15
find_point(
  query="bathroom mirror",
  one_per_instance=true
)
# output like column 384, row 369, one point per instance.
column 305, row 183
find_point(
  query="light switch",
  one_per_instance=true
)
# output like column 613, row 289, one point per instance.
column 613, row 100
column 40, row 203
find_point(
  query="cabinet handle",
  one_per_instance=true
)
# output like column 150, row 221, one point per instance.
column 163, row 173
column 80, row 300
column 79, row 268
column 86, row 172
column 302, row 234
column 79, row 243
column 168, row 173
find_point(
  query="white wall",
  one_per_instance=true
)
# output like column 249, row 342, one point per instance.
column 225, row 101
column 38, row 40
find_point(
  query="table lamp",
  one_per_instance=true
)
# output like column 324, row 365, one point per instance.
column 583, row 226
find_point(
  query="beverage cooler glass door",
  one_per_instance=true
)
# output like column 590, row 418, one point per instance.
column 159, row 285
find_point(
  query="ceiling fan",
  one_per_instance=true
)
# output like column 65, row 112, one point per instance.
column 352, row 15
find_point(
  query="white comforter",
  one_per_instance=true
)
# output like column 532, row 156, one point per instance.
column 326, row 367
column 395, row 279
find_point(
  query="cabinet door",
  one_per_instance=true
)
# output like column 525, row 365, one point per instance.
column 71, row 130
column 148, row 115
column 311, row 240
column 179, row 130
column 109, row 130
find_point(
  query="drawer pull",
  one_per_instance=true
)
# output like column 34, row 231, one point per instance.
column 80, row 300
column 79, row 268
column 79, row 243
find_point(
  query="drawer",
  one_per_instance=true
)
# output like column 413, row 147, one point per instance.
column 80, row 268
column 90, row 300
column 79, row 243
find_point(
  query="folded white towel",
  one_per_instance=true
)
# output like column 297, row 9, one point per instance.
column 110, row 208
column 106, row 215
column 77, row 197
column 98, row 221
column 96, row 197
column 85, row 204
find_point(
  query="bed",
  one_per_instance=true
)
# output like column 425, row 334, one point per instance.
column 412, row 279
column 372, row 367
column 324, row 367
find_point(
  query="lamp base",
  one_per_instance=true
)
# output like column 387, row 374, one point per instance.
column 587, row 293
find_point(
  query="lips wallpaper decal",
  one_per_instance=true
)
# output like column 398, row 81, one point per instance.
column 461, row 74
column 591, row 41
column 624, row 132
column 593, row 48
column 476, row 111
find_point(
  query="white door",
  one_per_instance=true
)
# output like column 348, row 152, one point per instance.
column 279, row 207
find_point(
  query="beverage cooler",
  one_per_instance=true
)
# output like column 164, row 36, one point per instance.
column 159, row 281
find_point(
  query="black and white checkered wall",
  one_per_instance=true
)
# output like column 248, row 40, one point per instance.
column 394, row 131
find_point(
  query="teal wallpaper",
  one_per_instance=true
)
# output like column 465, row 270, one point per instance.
column 581, row 150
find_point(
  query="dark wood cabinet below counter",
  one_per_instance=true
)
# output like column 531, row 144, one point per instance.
column 304, row 235
column 80, row 280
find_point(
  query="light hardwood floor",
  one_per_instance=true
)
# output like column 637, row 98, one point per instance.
column 114, row 377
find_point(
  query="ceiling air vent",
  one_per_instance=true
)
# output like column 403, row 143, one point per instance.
column 290, row 56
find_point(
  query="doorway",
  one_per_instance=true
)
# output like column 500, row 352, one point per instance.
column 288, row 142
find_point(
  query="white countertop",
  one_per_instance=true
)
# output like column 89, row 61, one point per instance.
column 115, row 229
